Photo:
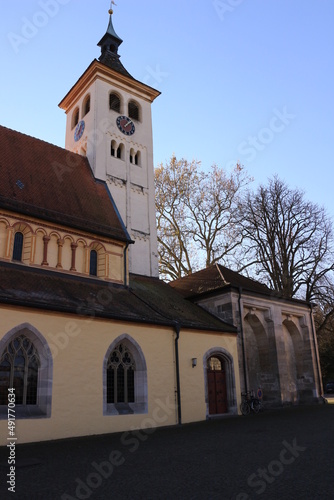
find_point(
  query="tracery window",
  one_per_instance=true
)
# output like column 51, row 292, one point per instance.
column 19, row 366
column 121, row 376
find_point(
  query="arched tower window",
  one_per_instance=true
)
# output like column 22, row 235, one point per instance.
column 134, row 157
column 19, row 365
column 133, row 110
column 86, row 106
column 117, row 150
column 18, row 246
column 115, row 103
column 121, row 376
column 75, row 118
column 120, row 151
column 93, row 263
column 113, row 148
column 137, row 158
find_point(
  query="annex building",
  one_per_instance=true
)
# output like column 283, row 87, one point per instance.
column 90, row 338
column 277, row 344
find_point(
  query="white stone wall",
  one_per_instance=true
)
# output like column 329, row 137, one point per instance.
column 131, row 186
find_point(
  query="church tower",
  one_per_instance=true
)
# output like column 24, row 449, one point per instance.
column 109, row 120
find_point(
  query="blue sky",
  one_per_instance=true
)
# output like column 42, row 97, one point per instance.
column 241, row 80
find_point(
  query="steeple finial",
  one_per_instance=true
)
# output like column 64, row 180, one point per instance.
column 110, row 41
column 109, row 44
column 111, row 9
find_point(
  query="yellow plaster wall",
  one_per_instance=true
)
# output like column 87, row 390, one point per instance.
column 194, row 344
column 79, row 346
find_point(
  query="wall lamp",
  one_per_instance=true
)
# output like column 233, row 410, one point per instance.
column 193, row 362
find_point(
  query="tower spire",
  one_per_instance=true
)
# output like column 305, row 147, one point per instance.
column 110, row 41
column 109, row 44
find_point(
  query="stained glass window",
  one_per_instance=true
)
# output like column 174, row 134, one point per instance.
column 120, row 376
column 19, row 365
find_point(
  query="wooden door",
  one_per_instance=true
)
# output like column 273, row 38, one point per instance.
column 217, row 392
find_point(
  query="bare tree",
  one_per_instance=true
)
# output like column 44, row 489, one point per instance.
column 197, row 215
column 288, row 241
column 324, row 323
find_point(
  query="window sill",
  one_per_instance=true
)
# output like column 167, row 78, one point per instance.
column 125, row 409
column 23, row 412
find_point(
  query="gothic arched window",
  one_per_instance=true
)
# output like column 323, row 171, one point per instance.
column 19, row 365
column 18, row 246
column 120, row 376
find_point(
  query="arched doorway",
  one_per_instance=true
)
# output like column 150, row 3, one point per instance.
column 217, row 390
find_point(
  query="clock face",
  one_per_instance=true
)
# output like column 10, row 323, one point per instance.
column 79, row 130
column 125, row 125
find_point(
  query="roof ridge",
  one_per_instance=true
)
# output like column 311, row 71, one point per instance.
column 38, row 139
column 221, row 274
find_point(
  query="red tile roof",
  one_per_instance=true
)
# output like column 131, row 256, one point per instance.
column 216, row 278
column 48, row 182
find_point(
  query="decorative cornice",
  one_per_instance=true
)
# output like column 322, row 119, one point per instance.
column 99, row 71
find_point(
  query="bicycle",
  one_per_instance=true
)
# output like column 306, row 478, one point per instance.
column 250, row 403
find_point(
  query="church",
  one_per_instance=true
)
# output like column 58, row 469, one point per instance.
column 91, row 340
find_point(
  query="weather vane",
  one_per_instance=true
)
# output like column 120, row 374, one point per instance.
column 111, row 9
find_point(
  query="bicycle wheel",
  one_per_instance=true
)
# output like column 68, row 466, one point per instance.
column 256, row 405
column 245, row 408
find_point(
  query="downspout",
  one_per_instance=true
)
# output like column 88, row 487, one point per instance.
column 125, row 263
column 177, row 365
column 316, row 352
column 242, row 341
